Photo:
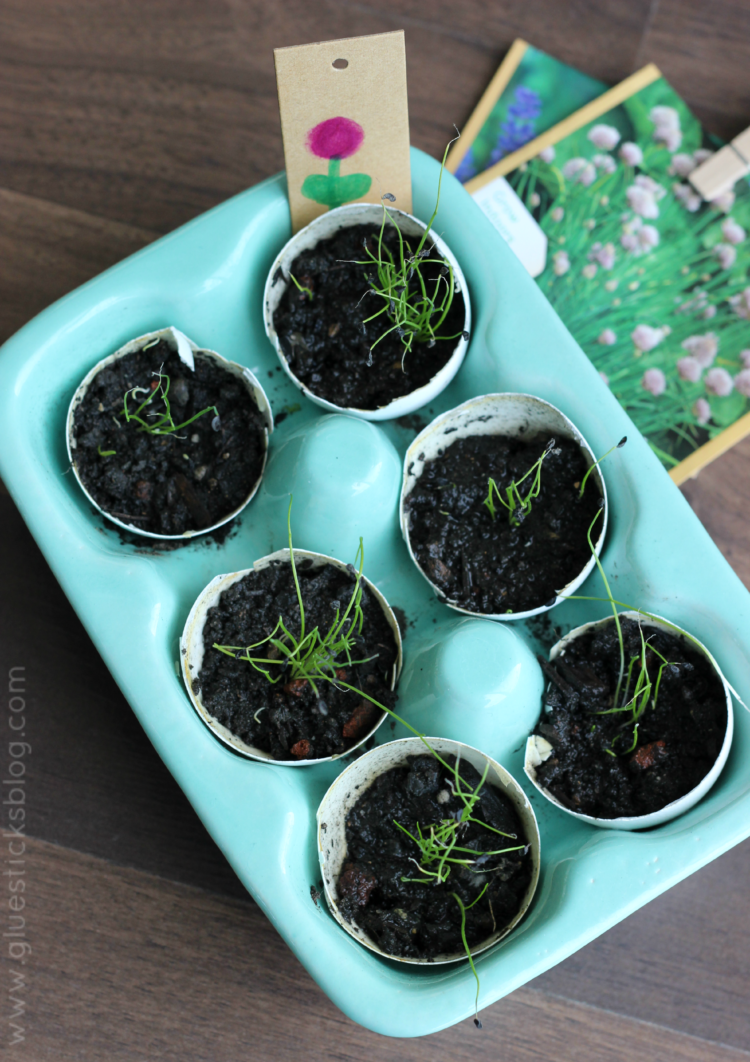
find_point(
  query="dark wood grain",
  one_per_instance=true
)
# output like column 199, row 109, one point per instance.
column 702, row 50
column 720, row 496
column 97, row 783
column 47, row 250
column 157, row 970
column 149, row 113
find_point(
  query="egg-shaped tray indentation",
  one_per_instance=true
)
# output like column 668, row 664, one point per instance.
column 473, row 681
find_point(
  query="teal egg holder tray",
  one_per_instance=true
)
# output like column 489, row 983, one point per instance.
column 460, row 676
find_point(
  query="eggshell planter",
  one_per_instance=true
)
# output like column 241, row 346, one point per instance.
column 191, row 651
column 324, row 227
column 352, row 783
column 538, row 749
column 187, row 351
column 497, row 414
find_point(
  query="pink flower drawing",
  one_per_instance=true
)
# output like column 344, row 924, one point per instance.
column 702, row 411
column 335, row 138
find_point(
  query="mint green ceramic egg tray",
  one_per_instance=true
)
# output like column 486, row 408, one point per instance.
column 464, row 678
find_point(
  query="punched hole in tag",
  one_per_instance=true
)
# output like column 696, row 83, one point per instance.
column 340, row 64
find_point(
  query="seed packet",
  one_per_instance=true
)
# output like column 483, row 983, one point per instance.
column 651, row 280
column 530, row 92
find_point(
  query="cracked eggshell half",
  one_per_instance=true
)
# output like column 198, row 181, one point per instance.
column 358, row 776
column 538, row 749
column 187, row 351
column 192, row 649
column 496, row 414
column 326, row 226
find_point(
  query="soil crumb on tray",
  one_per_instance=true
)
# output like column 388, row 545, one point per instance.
column 411, row 919
column 599, row 764
column 172, row 483
column 286, row 718
column 327, row 340
column 491, row 566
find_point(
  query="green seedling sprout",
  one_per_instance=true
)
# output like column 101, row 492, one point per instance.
column 639, row 701
column 164, row 423
column 598, row 461
column 467, row 949
column 642, row 691
column 415, row 313
column 517, row 505
column 311, row 656
column 301, row 287
column 440, row 852
column 439, row 844
column 314, row 657
column 105, row 453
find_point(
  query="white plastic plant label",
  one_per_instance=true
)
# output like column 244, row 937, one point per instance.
column 514, row 223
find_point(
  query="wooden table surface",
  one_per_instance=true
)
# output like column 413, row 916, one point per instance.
column 119, row 122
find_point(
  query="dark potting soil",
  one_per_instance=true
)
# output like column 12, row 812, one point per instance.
column 286, row 718
column 414, row 920
column 326, row 340
column 169, row 484
column 677, row 742
column 487, row 565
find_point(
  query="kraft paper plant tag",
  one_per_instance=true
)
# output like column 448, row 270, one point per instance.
column 345, row 123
